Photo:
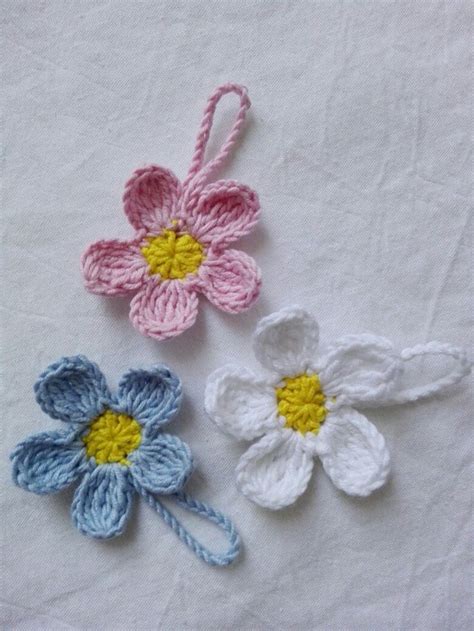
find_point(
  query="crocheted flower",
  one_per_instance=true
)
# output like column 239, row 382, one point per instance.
column 181, row 244
column 305, row 407
column 114, row 444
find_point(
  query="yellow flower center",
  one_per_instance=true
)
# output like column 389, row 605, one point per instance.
column 112, row 437
column 173, row 255
column 301, row 401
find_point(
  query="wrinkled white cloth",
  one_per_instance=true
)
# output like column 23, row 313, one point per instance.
column 358, row 145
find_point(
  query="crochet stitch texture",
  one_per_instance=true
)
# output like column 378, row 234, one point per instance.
column 116, row 445
column 305, row 406
column 180, row 247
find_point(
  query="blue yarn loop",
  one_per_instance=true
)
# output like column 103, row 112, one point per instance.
column 200, row 508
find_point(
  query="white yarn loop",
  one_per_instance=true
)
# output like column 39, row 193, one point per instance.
column 459, row 371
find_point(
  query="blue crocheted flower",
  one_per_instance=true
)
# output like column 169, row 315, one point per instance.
column 114, row 443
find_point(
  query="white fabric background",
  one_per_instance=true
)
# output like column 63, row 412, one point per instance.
column 358, row 146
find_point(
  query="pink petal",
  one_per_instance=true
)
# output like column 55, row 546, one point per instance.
column 225, row 211
column 114, row 268
column 163, row 310
column 150, row 198
column 231, row 281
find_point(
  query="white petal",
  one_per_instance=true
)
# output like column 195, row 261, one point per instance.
column 275, row 471
column 239, row 403
column 353, row 452
column 285, row 340
column 360, row 369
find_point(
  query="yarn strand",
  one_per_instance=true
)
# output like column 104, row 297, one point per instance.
column 198, row 173
column 462, row 368
column 194, row 506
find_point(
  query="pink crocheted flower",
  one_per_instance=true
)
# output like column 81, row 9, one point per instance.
column 180, row 247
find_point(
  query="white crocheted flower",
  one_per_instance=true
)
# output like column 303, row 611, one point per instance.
column 304, row 407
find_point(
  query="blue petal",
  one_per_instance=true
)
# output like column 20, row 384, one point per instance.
column 151, row 396
column 72, row 390
column 48, row 462
column 162, row 464
column 102, row 502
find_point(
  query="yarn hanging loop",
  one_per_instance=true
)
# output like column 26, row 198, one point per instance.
column 203, row 510
column 458, row 372
column 199, row 172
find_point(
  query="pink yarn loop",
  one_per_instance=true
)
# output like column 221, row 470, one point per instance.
column 199, row 174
